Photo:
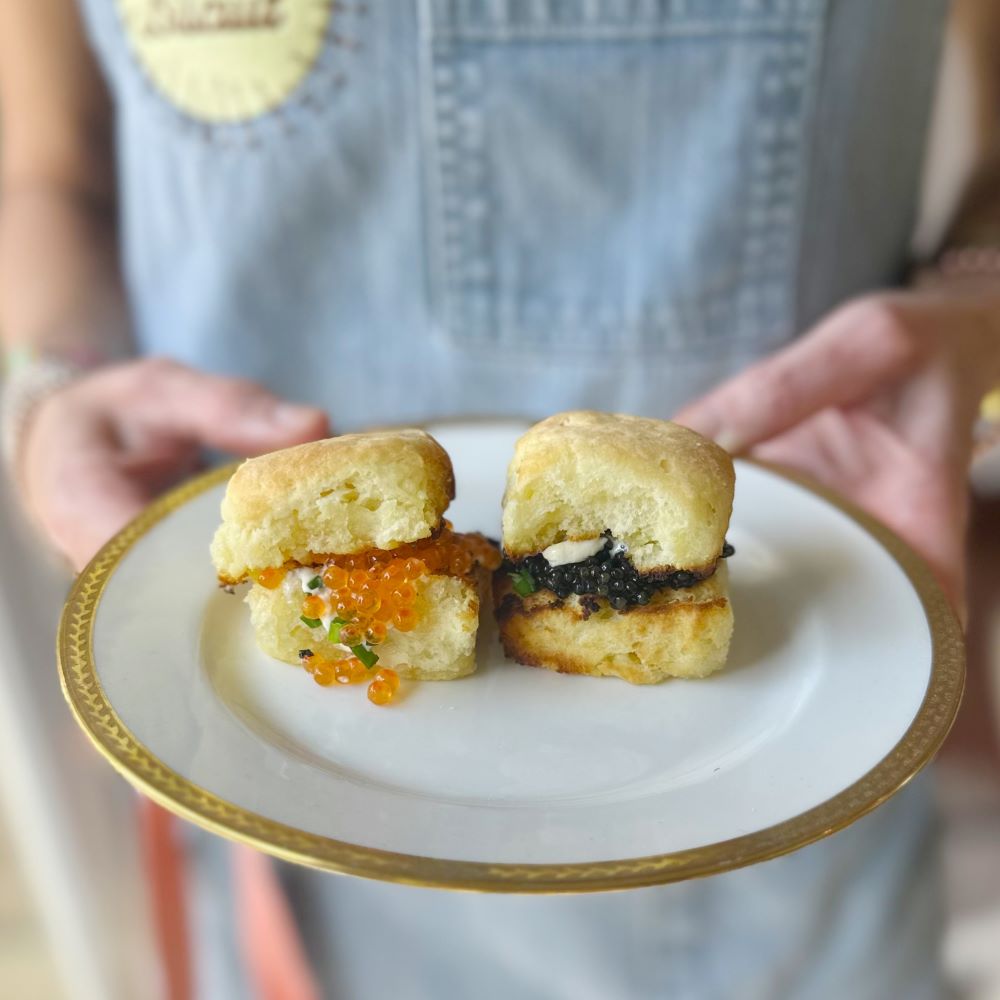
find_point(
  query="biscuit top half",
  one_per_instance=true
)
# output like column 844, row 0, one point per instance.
column 338, row 496
column 661, row 489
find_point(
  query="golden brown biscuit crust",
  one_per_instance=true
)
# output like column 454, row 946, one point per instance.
column 680, row 633
column 341, row 495
column 664, row 490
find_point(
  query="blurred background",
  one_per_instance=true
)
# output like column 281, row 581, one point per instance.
column 72, row 912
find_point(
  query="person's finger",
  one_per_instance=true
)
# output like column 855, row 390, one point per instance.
column 871, row 465
column 850, row 355
column 162, row 463
column 103, row 502
column 234, row 415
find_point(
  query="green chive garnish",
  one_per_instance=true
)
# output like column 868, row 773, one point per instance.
column 335, row 627
column 365, row 655
column 315, row 583
column 311, row 622
column 524, row 583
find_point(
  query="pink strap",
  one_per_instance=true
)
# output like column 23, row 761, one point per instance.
column 272, row 948
column 272, row 951
column 163, row 860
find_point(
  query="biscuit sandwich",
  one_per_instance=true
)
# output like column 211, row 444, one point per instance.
column 349, row 559
column 614, row 542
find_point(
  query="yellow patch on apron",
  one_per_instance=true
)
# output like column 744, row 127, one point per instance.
column 226, row 60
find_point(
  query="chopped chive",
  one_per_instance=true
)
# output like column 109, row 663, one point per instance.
column 365, row 655
column 524, row 583
column 311, row 622
column 315, row 583
column 335, row 627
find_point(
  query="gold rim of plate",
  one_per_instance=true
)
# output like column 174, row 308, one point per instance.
column 96, row 715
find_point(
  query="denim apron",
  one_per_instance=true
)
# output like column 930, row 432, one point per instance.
column 406, row 209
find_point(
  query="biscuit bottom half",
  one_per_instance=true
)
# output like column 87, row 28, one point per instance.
column 680, row 633
column 441, row 646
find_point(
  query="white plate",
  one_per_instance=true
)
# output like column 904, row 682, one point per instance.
column 845, row 673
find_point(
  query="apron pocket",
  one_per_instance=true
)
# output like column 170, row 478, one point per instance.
column 614, row 174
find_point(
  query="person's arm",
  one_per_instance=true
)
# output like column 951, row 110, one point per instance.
column 90, row 454
column 976, row 33
column 60, row 288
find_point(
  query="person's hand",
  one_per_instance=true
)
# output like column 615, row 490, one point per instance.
column 99, row 449
column 878, row 401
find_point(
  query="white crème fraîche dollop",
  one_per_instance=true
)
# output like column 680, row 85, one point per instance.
column 298, row 580
column 565, row 553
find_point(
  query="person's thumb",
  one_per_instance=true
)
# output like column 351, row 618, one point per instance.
column 849, row 356
column 233, row 415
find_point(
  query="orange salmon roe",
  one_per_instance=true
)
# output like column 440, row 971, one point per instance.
column 314, row 607
column 405, row 619
column 272, row 578
column 380, row 693
column 376, row 633
column 323, row 673
column 352, row 633
column 368, row 602
column 385, row 610
column 388, row 676
column 404, row 594
column 335, row 577
column 413, row 569
column 376, row 591
column 350, row 671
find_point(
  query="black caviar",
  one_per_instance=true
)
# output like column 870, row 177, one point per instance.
column 606, row 574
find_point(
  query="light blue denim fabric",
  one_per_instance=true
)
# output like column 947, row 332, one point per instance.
column 526, row 205
column 521, row 206
column 857, row 916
